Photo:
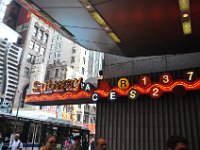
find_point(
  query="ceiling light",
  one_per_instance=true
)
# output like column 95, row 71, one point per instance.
column 83, row 1
column 184, row 5
column 107, row 28
column 98, row 18
column 88, row 6
column 187, row 29
column 185, row 15
column 114, row 37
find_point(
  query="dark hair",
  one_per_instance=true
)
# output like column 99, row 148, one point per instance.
column 174, row 140
column 100, row 72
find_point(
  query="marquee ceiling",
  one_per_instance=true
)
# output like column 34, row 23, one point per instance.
column 143, row 28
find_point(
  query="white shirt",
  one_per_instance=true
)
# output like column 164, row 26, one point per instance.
column 15, row 145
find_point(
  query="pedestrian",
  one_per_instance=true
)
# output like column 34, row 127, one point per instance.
column 77, row 144
column 1, row 142
column 100, row 144
column 177, row 143
column 50, row 143
column 15, row 144
column 92, row 143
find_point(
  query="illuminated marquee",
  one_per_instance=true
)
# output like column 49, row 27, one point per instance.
column 57, row 86
column 165, row 84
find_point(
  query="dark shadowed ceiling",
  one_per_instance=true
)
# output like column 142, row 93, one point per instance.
column 144, row 27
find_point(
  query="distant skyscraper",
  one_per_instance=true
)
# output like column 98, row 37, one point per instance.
column 10, row 55
column 3, row 6
column 11, row 13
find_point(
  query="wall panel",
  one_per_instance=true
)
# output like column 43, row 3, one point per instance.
column 146, row 124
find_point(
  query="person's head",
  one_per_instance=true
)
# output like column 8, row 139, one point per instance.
column 101, row 144
column 50, row 141
column 17, row 137
column 177, row 143
column 77, row 140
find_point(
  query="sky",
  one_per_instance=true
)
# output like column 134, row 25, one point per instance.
column 6, row 32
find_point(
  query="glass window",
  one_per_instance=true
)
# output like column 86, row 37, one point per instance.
column 78, row 117
column 84, row 60
column 57, row 54
column 40, row 34
column 83, row 70
column 42, row 50
column 30, row 134
column 45, row 38
column 26, row 72
column 33, row 59
column 37, row 48
column 58, row 45
column 35, row 30
column 73, row 50
column 50, row 55
column 29, row 57
column 38, row 134
column 56, row 74
column 32, row 45
column 48, row 75
column 52, row 46
column 72, row 59
column 79, row 105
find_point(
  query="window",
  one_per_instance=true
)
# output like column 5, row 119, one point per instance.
column 45, row 38
column 29, row 57
column 37, row 48
column 57, row 54
column 78, row 117
column 42, row 50
column 30, row 134
column 58, row 45
column 83, row 70
column 35, row 30
column 84, row 60
column 73, row 50
column 32, row 45
column 52, row 46
column 48, row 75
column 56, row 74
column 40, row 34
column 92, row 120
column 50, row 55
column 72, row 59
column 38, row 134
column 79, row 106
column 72, row 67
column 26, row 72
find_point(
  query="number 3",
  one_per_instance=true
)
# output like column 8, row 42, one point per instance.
column 165, row 79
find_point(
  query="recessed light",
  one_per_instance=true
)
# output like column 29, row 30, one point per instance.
column 185, row 15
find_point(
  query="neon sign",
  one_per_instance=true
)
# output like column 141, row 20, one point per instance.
column 57, row 86
column 144, row 86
